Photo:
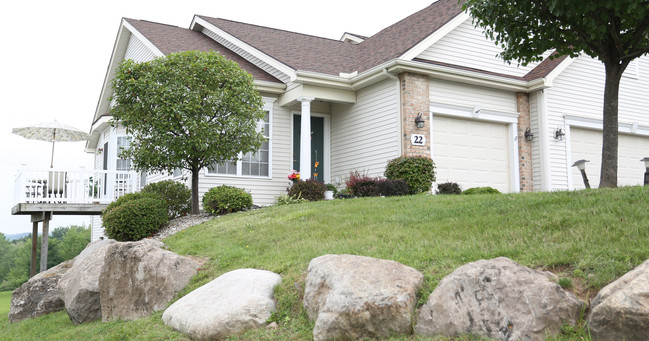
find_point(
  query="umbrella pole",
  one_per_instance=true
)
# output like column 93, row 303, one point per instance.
column 53, row 140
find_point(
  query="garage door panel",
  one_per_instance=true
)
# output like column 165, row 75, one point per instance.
column 587, row 144
column 471, row 153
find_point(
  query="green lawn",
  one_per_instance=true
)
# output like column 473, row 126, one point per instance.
column 5, row 304
column 591, row 237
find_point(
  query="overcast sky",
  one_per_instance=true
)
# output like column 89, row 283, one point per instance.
column 55, row 53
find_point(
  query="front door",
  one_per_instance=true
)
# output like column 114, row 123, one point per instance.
column 317, row 147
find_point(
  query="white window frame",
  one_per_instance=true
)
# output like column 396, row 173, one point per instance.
column 268, row 107
column 118, row 151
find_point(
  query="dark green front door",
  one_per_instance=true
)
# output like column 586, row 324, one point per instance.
column 317, row 147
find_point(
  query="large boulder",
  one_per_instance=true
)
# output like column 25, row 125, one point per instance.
column 40, row 295
column 139, row 278
column 230, row 304
column 499, row 299
column 620, row 311
column 80, row 284
column 352, row 297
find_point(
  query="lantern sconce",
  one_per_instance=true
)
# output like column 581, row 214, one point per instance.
column 559, row 134
column 646, row 173
column 528, row 134
column 419, row 121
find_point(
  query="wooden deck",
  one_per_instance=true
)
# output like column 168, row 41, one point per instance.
column 58, row 208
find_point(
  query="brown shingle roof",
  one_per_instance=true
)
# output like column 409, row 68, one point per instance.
column 171, row 39
column 544, row 68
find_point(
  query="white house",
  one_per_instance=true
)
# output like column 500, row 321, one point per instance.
column 360, row 96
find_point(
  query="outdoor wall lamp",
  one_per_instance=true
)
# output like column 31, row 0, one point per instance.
column 581, row 165
column 419, row 121
column 559, row 134
column 646, row 172
column 528, row 134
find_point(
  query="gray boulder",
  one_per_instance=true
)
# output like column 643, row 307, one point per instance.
column 499, row 299
column 230, row 304
column 352, row 297
column 40, row 295
column 80, row 284
column 620, row 311
column 139, row 278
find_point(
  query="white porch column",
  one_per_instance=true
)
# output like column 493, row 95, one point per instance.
column 305, row 138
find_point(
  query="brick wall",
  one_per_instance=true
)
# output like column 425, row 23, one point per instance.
column 415, row 99
column 524, row 146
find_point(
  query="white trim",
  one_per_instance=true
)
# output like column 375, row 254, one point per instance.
column 143, row 39
column 514, row 166
column 467, row 112
column 544, row 140
column 436, row 36
column 549, row 79
column 263, row 57
column 326, row 141
column 625, row 127
column 351, row 38
column 571, row 185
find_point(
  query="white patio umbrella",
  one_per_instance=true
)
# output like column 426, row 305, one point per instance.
column 52, row 132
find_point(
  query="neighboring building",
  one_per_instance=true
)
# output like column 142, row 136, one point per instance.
column 360, row 97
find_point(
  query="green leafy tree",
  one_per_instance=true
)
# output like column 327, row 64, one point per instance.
column 5, row 256
column 187, row 110
column 72, row 242
column 613, row 31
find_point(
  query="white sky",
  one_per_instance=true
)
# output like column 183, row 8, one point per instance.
column 54, row 57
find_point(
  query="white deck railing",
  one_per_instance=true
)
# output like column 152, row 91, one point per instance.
column 73, row 186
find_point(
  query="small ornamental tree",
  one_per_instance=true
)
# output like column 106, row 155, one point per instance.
column 613, row 31
column 187, row 110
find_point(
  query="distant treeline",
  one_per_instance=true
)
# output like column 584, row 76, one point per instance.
column 15, row 256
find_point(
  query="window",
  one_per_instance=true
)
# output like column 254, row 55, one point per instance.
column 123, row 142
column 251, row 164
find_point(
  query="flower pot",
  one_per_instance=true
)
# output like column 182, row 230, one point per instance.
column 329, row 195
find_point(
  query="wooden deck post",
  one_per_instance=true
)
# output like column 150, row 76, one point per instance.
column 44, row 240
column 32, row 268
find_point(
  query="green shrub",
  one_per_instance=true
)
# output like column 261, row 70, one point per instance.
column 481, row 190
column 390, row 187
column 332, row 188
column 448, row 188
column 177, row 196
column 344, row 193
column 226, row 199
column 312, row 190
column 418, row 172
column 134, row 216
column 289, row 200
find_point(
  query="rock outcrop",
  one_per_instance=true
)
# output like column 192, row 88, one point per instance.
column 499, row 299
column 230, row 304
column 620, row 311
column 40, row 295
column 80, row 284
column 352, row 297
column 139, row 278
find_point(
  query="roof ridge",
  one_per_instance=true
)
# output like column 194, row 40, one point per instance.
column 270, row 28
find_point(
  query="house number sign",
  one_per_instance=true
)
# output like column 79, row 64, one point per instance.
column 418, row 140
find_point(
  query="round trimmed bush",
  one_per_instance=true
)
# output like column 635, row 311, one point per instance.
column 311, row 189
column 226, row 199
column 134, row 216
column 418, row 172
column 177, row 196
column 481, row 190
column 448, row 188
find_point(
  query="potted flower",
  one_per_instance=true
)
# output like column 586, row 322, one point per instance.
column 294, row 176
column 330, row 192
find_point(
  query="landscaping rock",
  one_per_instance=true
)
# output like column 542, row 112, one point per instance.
column 499, row 299
column 352, row 297
column 230, row 304
column 40, row 295
column 139, row 278
column 80, row 284
column 620, row 311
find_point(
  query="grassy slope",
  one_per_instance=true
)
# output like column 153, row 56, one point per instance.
column 593, row 236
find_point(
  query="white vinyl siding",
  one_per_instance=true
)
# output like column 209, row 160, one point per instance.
column 446, row 92
column 467, row 46
column 264, row 190
column 471, row 153
column 137, row 51
column 579, row 91
column 365, row 135
column 587, row 144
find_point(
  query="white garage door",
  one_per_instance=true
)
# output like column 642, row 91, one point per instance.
column 587, row 144
column 471, row 153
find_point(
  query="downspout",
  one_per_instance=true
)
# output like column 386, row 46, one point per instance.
column 389, row 75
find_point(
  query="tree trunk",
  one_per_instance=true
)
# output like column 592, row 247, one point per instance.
column 195, row 207
column 608, row 173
